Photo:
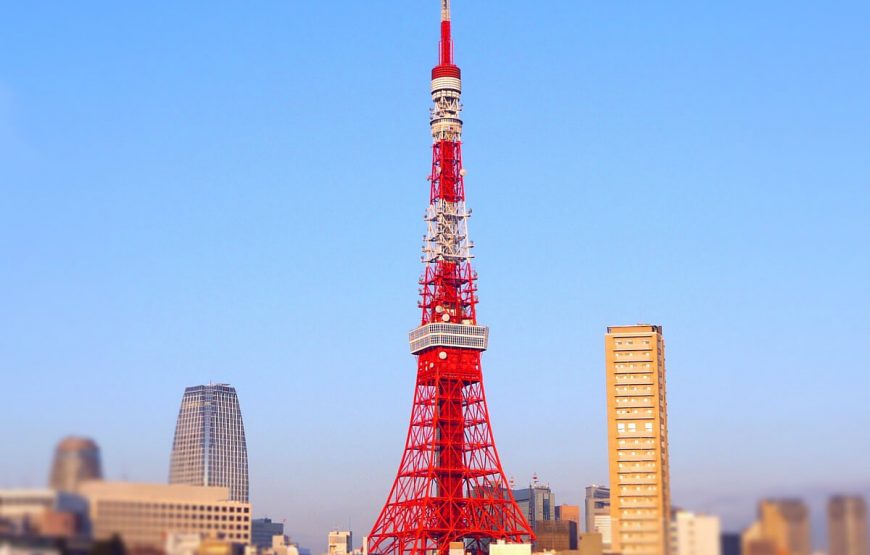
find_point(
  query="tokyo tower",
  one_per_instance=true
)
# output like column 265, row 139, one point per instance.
column 450, row 485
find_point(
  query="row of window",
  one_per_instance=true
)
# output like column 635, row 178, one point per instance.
column 638, row 489
column 116, row 505
column 122, row 523
column 622, row 427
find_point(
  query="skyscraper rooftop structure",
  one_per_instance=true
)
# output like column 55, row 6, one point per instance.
column 209, row 445
column 76, row 459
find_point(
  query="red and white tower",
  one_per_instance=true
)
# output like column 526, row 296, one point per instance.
column 450, row 486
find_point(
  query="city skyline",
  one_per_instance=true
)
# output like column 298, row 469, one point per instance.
column 184, row 273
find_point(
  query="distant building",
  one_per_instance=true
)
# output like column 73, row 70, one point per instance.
column 640, row 500
column 76, row 459
column 597, row 515
column 536, row 502
column 143, row 515
column 43, row 512
column 786, row 523
column 783, row 526
column 590, row 543
column 31, row 545
column 502, row 548
column 281, row 545
column 339, row 542
column 262, row 531
column 847, row 526
column 693, row 534
column 730, row 544
column 209, row 446
column 568, row 512
column 555, row 535
column 182, row 544
column 753, row 542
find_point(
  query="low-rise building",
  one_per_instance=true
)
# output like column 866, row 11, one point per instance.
column 263, row 530
column 339, row 542
column 695, row 534
column 144, row 515
column 590, row 543
column 555, row 535
column 46, row 512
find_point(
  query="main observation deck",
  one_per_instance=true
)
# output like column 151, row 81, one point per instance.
column 463, row 336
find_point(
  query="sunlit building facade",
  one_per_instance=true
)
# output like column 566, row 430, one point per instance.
column 695, row 534
column 145, row 515
column 209, row 446
column 598, row 513
column 640, row 503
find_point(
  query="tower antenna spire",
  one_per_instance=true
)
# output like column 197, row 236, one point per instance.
column 446, row 54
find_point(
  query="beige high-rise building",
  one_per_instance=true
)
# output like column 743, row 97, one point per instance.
column 640, row 502
column 847, row 526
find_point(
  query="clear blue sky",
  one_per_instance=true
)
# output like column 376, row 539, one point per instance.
column 233, row 192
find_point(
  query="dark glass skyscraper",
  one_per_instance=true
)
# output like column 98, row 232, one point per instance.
column 209, row 446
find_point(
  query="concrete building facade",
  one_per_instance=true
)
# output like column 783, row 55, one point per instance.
column 339, row 542
column 783, row 527
column 568, row 512
column 640, row 502
column 590, row 543
column 263, row 530
column 786, row 523
column 597, row 517
column 555, row 535
column 143, row 515
column 536, row 502
column 847, row 526
column 693, row 534
column 46, row 512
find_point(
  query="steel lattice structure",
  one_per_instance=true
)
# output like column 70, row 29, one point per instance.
column 450, row 485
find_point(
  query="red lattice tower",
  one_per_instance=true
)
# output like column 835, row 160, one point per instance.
column 450, row 486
